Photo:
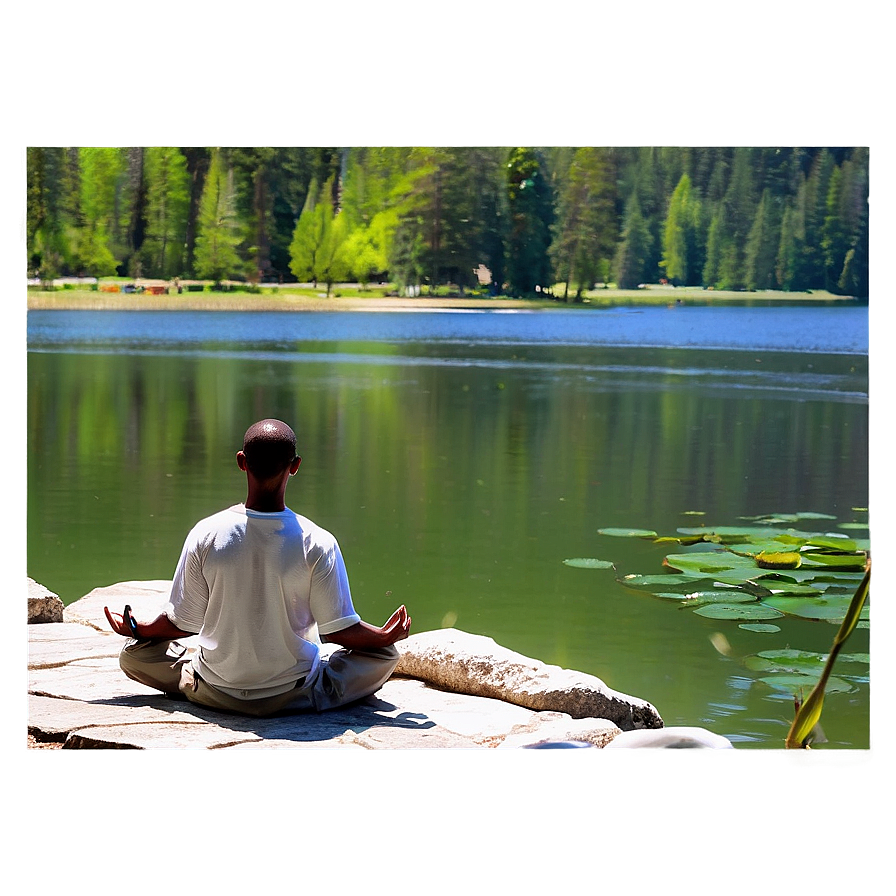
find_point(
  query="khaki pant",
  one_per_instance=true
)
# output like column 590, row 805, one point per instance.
column 342, row 677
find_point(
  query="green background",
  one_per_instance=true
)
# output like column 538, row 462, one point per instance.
column 527, row 73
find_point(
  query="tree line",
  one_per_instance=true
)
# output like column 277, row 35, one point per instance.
column 563, row 217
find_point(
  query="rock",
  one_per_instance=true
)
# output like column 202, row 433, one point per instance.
column 56, row 644
column 474, row 664
column 678, row 738
column 451, row 690
column 555, row 728
column 43, row 604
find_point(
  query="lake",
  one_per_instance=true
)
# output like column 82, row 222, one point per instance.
column 461, row 457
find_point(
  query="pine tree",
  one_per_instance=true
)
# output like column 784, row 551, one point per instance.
column 168, row 205
column 528, row 236
column 216, row 244
column 584, row 233
column 318, row 247
column 813, row 201
column 787, row 259
column 631, row 263
column 761, row 248
column 681, row 236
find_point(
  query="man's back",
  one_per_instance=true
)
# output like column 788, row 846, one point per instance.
column 259, row 586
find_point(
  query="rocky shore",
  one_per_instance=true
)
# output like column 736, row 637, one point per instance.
column 451, row 689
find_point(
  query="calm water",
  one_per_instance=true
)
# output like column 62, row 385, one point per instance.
column 461, row 457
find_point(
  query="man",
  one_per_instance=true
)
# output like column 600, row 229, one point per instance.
column 258, row 583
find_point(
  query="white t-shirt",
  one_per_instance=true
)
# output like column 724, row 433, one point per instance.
column 258, row 588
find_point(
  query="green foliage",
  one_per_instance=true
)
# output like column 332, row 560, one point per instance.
column 529, row 210
column 633, row 253
column 167, row 207
column 739, row 218
column 584, row 232
column 216, row 245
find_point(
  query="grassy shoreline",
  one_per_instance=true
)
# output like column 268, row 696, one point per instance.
column 286, row 299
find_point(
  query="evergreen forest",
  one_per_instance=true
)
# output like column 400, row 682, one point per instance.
column 562, row 218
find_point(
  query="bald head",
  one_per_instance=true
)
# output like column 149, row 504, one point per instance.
column 269, row 447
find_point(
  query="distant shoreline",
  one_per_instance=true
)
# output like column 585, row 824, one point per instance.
column 283, row 299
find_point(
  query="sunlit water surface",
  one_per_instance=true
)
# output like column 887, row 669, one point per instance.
column 460, row 458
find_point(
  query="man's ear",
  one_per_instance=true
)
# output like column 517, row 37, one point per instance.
column 294, row 466
column 241, row 460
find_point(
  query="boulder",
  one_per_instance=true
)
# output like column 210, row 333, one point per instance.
column 477, row 665
column 43, row 604
column 678, row 738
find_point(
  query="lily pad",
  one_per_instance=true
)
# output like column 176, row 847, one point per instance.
column 628, row 533
column 731, row 534
column 835, row 543
column 742, row 612
column 830, row 608
column 708, row 562
column 787, row 660
column 759, row 627
column 589, row 563
column 778, row 560
column 681, row 539
column 727, row 595
column 793, row 590
column 794, row 683
column 838, row 561
column 681, row 582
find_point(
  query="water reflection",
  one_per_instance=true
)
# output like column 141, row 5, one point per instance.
column 458, row 478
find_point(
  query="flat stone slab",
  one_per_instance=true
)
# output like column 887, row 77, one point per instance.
column 451, row 690
column 57, row 643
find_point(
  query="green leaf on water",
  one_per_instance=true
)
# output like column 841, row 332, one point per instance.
column 706, row 562
column 830, row 608
column 727, row 595
column 628, row 533
column 730, row 534
column 787, row 660
column 759, row 627
column 794, row 683
column 838, row 561
column 790, row 589
column 589, row 563
column 662, row 582
column 841, row 543
column 742, row 612
column 778, row 560
column 682, row 539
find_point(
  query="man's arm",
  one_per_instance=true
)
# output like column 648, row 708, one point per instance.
column 160, row 627
column 362, row 635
